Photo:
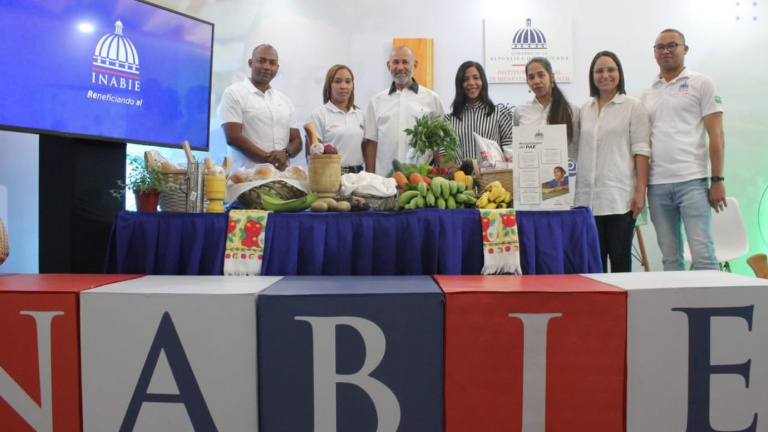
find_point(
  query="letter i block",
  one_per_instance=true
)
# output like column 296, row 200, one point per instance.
column 351, row 354
column 696, row 351
column 170, row 353
column 533, row 354
column 39, row 357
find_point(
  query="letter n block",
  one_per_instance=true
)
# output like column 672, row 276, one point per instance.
column 697, row 358
column 533, row 354
column 171, row 353
column 343, row 353
column 39, row 357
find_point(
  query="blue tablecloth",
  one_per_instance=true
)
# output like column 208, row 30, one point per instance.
column 426, row 241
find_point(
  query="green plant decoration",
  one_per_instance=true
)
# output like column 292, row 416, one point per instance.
column 435, row 134
column 140, row 178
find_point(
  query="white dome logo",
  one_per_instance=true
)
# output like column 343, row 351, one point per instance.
column 529, row 38
column 115, row 61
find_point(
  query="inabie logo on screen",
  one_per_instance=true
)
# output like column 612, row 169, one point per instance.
column 116, row 62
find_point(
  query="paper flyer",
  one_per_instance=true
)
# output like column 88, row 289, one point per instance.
column 541, row 179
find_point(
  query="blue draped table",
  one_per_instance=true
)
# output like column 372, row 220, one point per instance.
column 421, row 242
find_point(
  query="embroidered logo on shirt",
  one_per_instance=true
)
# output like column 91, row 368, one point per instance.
column 683, row 89
column 718, row 100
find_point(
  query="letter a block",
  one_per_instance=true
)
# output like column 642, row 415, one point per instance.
column 696, row 351
column 351, row 354
column 170, row 353
column 533, row 354
column 39, row 357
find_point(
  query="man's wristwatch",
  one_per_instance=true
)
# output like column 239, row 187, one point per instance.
column 288, row 152
column 716, row 178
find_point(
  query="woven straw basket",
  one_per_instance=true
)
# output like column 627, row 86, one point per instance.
column 252, row 200
column 173, row 199
column 503, row 176
column 4, row 248
column 377, row 202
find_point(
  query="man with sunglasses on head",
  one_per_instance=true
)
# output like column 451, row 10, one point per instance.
column 683, row 105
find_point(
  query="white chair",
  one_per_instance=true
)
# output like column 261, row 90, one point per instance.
column 728, row 233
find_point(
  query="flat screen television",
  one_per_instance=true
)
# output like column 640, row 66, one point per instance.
column 114, row 70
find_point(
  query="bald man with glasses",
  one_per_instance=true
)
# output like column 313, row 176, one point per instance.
column 683, row 105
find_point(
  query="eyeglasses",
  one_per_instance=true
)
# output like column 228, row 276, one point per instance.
column 609, row 69
column 671, row 47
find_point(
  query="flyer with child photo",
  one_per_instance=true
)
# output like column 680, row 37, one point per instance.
column 541, row 179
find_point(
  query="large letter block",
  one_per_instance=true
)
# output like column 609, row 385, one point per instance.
column 39, row 357
column 351, row 354
column 533, row 354
column 171, row 353
column 696, row 351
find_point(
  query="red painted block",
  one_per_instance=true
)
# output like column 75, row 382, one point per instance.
column 39, row 350
column 544, row 351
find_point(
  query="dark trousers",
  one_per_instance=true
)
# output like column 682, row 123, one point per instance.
column 616, row 233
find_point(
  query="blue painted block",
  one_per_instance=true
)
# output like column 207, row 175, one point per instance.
column 351, row 354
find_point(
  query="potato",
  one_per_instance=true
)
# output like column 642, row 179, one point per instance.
column 318, row 206
column 343, row 206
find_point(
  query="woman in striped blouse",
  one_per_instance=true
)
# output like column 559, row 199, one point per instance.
column 473, row 110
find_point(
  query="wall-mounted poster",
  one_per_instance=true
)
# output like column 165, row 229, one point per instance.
column 424, row 50
column 511, row 42
column 540, row 173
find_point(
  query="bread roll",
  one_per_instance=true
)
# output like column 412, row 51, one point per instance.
column 238, row 177
column 263, row 172
column 296, row 173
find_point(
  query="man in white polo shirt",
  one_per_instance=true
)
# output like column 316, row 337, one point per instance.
column 394, row 110
column 683, row 105
column 259, row 122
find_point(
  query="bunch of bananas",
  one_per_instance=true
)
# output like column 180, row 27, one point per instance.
column 493, row 196
column 278, row 205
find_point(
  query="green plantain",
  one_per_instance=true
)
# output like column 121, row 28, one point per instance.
column 279, row 205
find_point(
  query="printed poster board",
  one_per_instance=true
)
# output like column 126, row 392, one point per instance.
column 540, row 173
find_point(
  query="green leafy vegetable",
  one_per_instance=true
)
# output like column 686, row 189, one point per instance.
column 435, row 134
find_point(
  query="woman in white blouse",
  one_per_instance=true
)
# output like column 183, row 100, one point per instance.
column 550, row 105
column 614, row 148
column 340, row 122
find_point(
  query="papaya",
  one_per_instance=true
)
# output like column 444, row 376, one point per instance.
column 415, row 178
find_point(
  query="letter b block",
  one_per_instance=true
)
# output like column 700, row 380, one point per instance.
column 351, row 354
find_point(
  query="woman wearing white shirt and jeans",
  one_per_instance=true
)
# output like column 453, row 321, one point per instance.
column 614, row 148
column 340, row 122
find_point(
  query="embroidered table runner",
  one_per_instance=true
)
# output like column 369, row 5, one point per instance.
column 501, row 247
column 244, row 252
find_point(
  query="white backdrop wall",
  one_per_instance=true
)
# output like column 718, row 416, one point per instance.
column 312, row 35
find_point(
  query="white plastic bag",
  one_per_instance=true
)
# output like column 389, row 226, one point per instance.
column 488, row 152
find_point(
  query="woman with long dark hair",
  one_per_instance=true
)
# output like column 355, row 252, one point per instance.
column 473, row 110
column 549, row 106
column 613, row 160
column 340, row 122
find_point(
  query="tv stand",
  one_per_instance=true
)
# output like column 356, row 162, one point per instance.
column 76, row 208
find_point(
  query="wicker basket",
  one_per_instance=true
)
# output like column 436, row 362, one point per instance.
column 252, row 200
column 173, row 199
column 4, row 248
column 377, row 202
column 503, row 176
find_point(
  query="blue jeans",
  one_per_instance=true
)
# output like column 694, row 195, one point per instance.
column 689, row 201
